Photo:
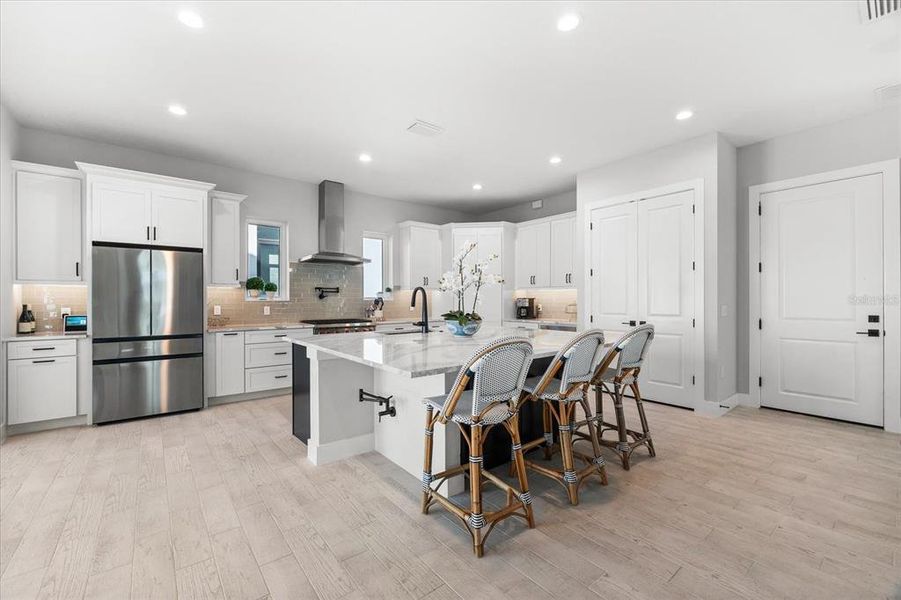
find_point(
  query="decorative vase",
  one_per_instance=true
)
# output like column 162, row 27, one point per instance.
column 469, row 329
column 254, row 293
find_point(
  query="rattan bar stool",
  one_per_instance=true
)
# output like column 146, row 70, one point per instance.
column 628, row 354
column 576, row 362
column 498, row 371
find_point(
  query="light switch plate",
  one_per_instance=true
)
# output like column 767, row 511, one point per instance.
column 217, row 310
column 266, row 310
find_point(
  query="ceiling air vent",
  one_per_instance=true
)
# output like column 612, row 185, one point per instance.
column 427, row 129
column 873, row 10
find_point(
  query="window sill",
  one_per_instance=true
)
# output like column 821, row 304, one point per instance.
column 267, row 299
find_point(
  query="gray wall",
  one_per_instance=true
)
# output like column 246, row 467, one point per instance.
column 9, row 137
column 268, row 197
column 552, row 205
column 857, row 141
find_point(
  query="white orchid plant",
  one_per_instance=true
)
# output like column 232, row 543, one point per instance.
column 463, row 277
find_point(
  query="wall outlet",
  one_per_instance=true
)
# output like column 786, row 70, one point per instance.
column 266, row 310
column 66, row 310
column 217, row 310
column 537, row 204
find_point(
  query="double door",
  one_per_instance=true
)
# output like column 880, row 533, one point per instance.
column 642, row 271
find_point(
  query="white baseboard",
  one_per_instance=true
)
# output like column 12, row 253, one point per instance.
column 745, row 400
column 321, row 454
column 77, row 421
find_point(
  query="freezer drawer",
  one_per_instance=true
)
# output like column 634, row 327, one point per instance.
column 125, row 390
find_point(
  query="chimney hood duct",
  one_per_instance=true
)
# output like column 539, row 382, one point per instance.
column 331, row 228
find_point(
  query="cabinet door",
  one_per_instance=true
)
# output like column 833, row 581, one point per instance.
column 121, row 212
column 533, row 256
column 225, row 242
column 42, row 389
column 425, row 257
column 178, row 218
column 48, row 227
column 525, row 256
column 229, row 363
column 542, row 255
column 562, row 235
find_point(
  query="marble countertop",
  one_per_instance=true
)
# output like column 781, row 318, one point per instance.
column 45, row 335
column 418, row 354
column 542, row 321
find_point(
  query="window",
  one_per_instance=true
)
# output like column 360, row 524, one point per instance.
column 375, row 272
column 266, row 253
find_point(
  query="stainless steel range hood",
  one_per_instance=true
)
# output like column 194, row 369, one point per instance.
column 331, row 228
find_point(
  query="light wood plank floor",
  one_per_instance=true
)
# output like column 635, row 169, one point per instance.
column 222, row 504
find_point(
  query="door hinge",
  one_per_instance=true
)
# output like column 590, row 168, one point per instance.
column 759, row 209
column 692, row 265
column 760, row 267
column 692, row 380
column 591, row 318
column 760, row 382
column 692, row 209
column 591, row 226
column 591, row 272
column 759, row 323
column 692, row 322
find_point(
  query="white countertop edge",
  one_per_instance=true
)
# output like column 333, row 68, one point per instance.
column 231, row 328
column 45, row 336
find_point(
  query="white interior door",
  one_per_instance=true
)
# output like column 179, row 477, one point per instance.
column 666, row 295
column 642, row 271
column 821, row 282
column 614, row 268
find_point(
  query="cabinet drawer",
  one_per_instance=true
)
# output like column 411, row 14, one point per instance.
column 265, row 337
column 41, row 389
column 41, row 348
column 267, row 355
column 267, row 378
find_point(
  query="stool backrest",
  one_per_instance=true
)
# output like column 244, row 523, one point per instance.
column 499, row 370
column 577, row 359
column 628, row 352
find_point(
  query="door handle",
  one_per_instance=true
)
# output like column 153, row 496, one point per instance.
column 642, row 322
column 154, row 232
column 869, row 333
column 148, row 233
column 236, row 275
column 629, row 323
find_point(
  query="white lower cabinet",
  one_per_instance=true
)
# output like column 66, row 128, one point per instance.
column 43, row 387
column 272, row 354
column 267, row 378
column 229, row 363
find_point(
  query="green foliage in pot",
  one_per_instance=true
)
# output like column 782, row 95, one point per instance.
column 271, row 287
column 255, row 284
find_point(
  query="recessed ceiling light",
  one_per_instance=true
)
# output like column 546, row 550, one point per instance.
column 365, row 158
column 191, row 19
column 178, row 109
column 683, row 115
column 568, row 22
column 477, row 186
column 555, row 160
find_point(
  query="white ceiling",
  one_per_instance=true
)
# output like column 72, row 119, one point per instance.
column 301, row 89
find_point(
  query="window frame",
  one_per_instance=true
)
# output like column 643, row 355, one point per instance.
column 386, row 263
column 284, row 272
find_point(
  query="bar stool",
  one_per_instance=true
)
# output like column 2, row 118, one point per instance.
column 578, row 361
column 628, row 353
column 498, row 371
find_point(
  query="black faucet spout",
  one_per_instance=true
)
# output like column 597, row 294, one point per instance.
column 424, row 317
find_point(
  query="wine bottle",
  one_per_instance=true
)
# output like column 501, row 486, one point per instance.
column 24, row 324
column 31, row 319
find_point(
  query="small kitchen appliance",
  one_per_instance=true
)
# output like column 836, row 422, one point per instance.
column 75, row 323
column 526, row 308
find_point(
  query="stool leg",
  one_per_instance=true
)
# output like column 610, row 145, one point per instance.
column 623, row 446
column 548, row 432
column 595, row 444
column 646, row 432
column 476, row 518
column 599, row 409
column 427, row 461
column 519, row 462
column 566, row 450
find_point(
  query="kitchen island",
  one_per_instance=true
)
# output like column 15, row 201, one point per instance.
column 330, row 371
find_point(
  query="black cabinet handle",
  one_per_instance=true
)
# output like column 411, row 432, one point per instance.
column 148, row 233
column 154, row 232
column 280, row 353
column 281, row 376
column 642, row 322
column 630, row 323
column 281, row 335
column 236, row 275
column 236, row 333
column 49, row 360
column 42, row 349
column 869, row 333
column 77, row 274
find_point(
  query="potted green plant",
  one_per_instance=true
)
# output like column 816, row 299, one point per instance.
column 255, row 285
column 463, row 277
column 271, row 287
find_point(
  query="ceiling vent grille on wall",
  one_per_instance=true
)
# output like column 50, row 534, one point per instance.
column 873, row 10
column 424, row 128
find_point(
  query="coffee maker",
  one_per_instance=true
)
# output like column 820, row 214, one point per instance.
column 526, row 308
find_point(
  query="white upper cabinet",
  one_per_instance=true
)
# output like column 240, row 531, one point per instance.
column 225, row 238
column 141, row 208
column 544, row 252
column 563, row 233
column 48, row 224
column 533, row 256
column 418, row 255
column 495, row 299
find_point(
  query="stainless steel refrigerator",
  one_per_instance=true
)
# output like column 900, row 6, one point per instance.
column 147, row 331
